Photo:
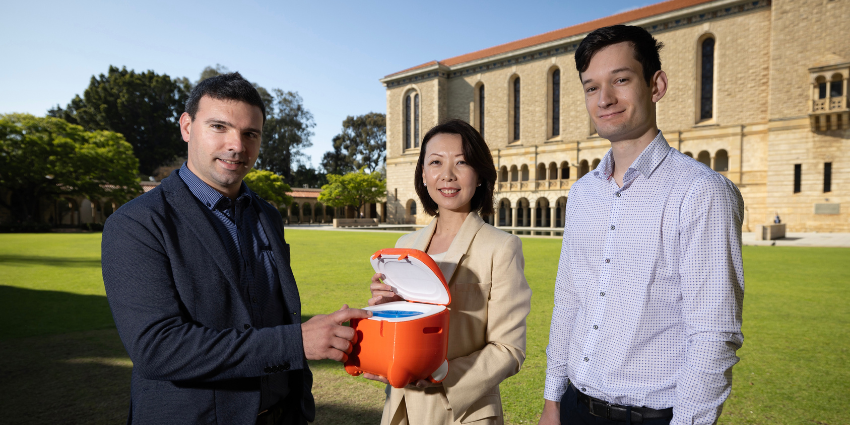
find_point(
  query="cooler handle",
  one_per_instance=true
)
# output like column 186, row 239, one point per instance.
column 440, row 373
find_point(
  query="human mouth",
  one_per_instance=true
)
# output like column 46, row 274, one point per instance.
column 230, row 164
column 449, row 191
column 613, row 114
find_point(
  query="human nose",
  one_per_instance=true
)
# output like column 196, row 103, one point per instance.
column 448, row 173
column 234, row 141
column 606, row 97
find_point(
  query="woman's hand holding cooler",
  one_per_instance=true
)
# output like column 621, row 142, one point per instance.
column 381, row 292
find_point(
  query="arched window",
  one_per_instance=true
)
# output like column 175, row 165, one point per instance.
column 411, row 120
column 515, row 109
column 407, row 114
column 541, row 172
column 689, row 154
column 835, row 86
column 553, row 171
column 503, row 174
column 412, row 207
column 556, row 102
column 481, row 110
column 705, row 158
column 821, row 82
column 595, row 164
column 706, row 103
column 524, row 171
column 721, row 161
column 416, row 120
column 583, row 168
column 565, row 170
column 514, row 173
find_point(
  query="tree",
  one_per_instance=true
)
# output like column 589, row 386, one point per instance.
column 144, row 107
column 364, row 140
column 46, row 158
column 285, row 134
column 356, row 189
column 269, row 186
column 309, row 176
column 336, row 161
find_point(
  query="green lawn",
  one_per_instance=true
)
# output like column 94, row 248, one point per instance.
column 55, row 325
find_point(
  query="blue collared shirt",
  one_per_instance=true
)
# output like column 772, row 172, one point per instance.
column 650, row 287
column 247, row 245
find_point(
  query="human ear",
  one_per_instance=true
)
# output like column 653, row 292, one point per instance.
column 185, row 126
column 658, row 86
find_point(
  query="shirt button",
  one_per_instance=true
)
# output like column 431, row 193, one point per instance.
column 583, row 389
column 595, row 327
column 612, row 227
column 586, row 359
column 246, row 326
column 618, row 194
column 607, row 260
column 601, row 294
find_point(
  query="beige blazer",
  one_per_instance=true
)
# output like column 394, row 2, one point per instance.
column 490, row 301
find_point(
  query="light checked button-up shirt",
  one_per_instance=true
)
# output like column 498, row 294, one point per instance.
column 650, row 287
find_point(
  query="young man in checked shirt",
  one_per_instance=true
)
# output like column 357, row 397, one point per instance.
column 650, row 284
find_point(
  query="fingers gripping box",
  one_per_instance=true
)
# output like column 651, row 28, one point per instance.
column 405, row 341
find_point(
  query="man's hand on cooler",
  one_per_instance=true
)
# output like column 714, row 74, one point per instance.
column 324, row 336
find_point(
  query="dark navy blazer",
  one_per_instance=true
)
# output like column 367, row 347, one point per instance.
column 176, row 299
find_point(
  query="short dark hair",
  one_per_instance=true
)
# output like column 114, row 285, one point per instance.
column 225, row 87
column 475, row 153
column 645, row 47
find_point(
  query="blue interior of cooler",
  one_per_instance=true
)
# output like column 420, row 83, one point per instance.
column 395, row 314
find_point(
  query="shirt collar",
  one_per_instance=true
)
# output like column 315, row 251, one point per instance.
column 645, row 164
column 206, row 194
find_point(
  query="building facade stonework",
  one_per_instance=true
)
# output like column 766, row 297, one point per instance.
column 757, row 91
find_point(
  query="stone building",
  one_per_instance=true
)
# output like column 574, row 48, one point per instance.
column 757, row 91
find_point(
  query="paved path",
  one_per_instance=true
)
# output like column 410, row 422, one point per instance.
column 802, row 239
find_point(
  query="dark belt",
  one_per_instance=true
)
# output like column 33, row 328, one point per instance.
column 615, row 412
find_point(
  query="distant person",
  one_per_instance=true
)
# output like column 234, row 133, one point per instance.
column 650, row 284
column 198, row 277
column 777, row 220
column 484, row 267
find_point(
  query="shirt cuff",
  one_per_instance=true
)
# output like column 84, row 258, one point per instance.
column 555, row 388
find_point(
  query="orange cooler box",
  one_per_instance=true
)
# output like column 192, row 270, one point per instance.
column 405, row 341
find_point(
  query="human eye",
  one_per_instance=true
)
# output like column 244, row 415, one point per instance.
column 621, row 80
column 589, row 89
column 217, row 126
column 434, row 162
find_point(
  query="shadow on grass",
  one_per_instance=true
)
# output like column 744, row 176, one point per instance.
column 60, row 357
column 81, row 378
column 50, row 261
column 28, row 312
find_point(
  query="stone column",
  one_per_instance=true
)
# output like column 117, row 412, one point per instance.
column 552, row 216
column 533, row 213
column 513, row 217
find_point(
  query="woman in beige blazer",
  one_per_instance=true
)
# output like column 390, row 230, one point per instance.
column 455, row 179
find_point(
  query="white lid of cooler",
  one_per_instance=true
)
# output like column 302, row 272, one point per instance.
column 413, row 274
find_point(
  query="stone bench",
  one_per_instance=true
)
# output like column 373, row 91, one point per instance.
column 355, row 222
column 769, row 232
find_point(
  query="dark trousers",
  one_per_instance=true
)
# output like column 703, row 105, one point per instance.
column 574, row 413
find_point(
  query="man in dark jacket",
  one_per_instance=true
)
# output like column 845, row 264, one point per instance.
column 198, row 278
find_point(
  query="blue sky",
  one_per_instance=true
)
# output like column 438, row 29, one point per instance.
column 331, row 52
